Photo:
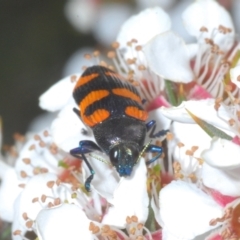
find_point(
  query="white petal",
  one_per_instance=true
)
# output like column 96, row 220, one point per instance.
column 164, row 62
column 67, row 221
column 203, row 109
column 81, row 14
column 180, row 114
column 144, row 26
column 227, row 182
column 41, row 122
column 165, row 4
column 57, row 96
column 222, row 154
column 4, row 167
column 130, row 198
column 39, row 156
column 186, row 210
column 192, row 49
column 207, row 13
column 9, row 191
column 191, row 135
column 67, row 129
column 137, row 27
column 235, row 75
column 36, row 187
column 106, row 178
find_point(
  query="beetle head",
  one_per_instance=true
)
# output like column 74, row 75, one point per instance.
column 124, row 156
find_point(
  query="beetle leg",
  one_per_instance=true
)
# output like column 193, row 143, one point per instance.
column 77, row 112
column 86, row 146
column 152, row 125
column 154, row 149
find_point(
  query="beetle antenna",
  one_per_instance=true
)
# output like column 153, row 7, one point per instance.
column 144, row 149
column 99, row 159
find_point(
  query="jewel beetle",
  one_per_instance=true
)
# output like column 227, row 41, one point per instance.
column 113, row 109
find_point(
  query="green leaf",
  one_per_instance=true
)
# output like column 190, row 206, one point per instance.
column 63, row 164
column 6, row 234
column 181, row 95
column 208, row 128
column 150, row 224
column 157, row 169
column 170, row 93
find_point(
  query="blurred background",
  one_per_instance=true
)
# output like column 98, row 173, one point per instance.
column 42, row 41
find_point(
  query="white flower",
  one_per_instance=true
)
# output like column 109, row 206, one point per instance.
column 61, row 91
column 129, row 198
column 185, row 211
column 205, row 110
column 27, row 202
column 210, row 14
column 207, row 60
column 66, row 221
column 9, row 191
column 161, row 62
column 223, row 165
column 216, row 167
column 138, row 27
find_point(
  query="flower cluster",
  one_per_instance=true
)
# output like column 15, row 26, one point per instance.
column 191, row 192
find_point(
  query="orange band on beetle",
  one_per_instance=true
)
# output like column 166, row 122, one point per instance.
column 91, row 98
column 85, row 79
column 123, row 92
column 136, row 113
column 115, row 75
column 97, row 117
